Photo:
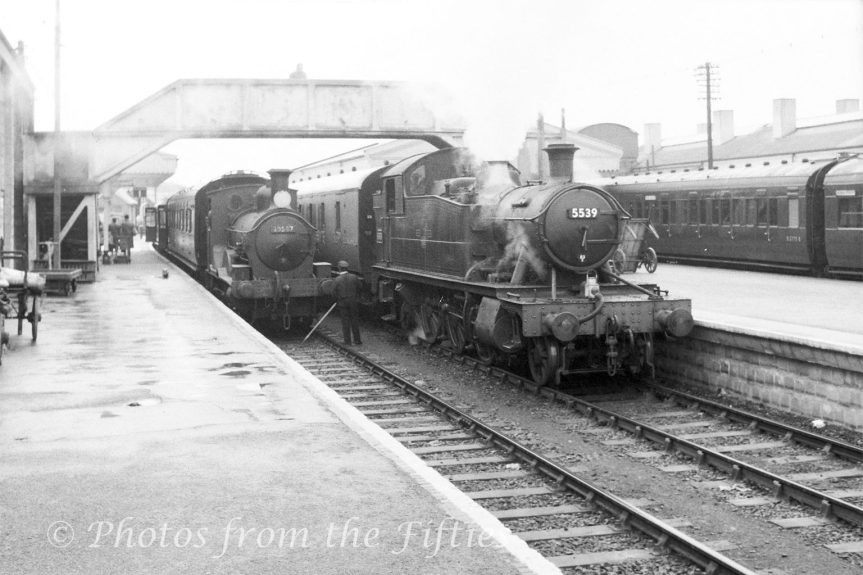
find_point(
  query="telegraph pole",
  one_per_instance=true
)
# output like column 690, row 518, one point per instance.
column 705, row 77
column 57, row 183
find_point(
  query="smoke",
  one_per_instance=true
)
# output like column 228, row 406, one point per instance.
column 519, row 247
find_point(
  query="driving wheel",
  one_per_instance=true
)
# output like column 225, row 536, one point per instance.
column 455, row 331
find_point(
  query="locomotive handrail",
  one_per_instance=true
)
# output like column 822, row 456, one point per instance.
column 634, row 286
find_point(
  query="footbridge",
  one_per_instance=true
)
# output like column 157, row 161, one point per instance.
column 222, row 108
column 270, row 109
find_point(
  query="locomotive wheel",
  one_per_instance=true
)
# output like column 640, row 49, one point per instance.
column 544, row 359
column 431, row 322
column 484, row 353
column 455, row 331
column 650, row 260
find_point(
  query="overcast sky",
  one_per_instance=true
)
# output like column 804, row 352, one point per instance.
column 630, row 62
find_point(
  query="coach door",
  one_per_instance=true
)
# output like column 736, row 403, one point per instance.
column 150, row 224
column 393, row 204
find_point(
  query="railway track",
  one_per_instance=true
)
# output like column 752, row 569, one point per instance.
column 566, row 518
column 804, row 480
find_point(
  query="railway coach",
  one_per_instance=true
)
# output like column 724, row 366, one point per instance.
column 804, row 217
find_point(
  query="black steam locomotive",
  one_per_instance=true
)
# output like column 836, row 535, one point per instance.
column 805, row 217
column 460, row 250
column 242, row 237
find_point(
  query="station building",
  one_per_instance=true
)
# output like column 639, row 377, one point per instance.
column 16, row 120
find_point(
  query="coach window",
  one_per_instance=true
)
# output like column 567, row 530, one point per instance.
column 762, row 212
column 851, row 212
column 693, row 211
column 664, row 211
column 793, row 213
column 725, row 211
column 715, row 216
column 322, row 217
column 682, row 212
column 773, row 211
column 338, row 216
column 702, row 211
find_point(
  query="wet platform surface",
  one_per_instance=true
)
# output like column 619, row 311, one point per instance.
column 802, row 308
column 150, row 431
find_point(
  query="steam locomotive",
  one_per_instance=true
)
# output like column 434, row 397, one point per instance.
column 787, row 217
column 459, row 250
column 244, row 240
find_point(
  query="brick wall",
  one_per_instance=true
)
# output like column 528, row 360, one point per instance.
column 802, row 378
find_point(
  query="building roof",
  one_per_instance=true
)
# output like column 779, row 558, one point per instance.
column 842, row 133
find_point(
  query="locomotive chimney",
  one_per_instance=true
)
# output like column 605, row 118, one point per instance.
column 560, row 162
column 279, row 179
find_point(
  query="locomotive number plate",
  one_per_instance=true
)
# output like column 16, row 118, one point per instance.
column 582, row 213
column 281, row 229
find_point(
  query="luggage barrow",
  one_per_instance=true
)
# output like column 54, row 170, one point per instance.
column 632, row 252
column 64, row 282
column 14, row 294
column 14, row 304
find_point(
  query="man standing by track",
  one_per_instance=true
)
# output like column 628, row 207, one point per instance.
column 346, row 288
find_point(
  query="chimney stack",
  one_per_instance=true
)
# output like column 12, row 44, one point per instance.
column 784, row 117
column 723, row 126
column 560, row 162
column 847, row 106
column 279, row 182
column 652, row 137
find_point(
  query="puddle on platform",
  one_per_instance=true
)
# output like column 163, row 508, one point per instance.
column 150, row 401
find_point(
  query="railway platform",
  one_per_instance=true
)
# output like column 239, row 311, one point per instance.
column 797, row 308
column 149, row 430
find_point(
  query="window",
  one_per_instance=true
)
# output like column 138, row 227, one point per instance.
column 851, row 212
column 664, row 211
column 390, row 190
column 725, row 211
column 322, row 220
column 338, row 216
column 738, row 209
column 693, row 211
column 750, row 212
column 773, row 211
column 762, row 211
column 793, row 213
column 702, row 212
column 715, row 216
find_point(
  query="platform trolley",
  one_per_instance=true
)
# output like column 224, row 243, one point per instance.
column 632, row 252
column 21, row 294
